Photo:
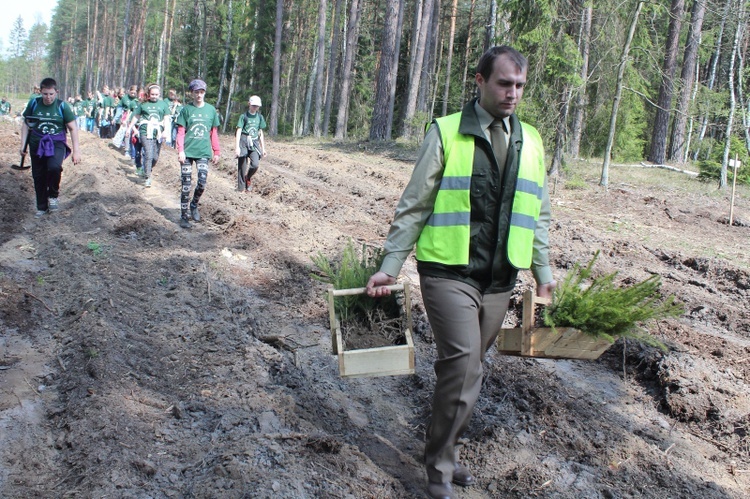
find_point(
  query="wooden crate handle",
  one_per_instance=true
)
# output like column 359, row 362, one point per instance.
column 530, row 300
column 359, row 291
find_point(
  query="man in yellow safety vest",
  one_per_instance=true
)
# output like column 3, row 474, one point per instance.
column 477, row 208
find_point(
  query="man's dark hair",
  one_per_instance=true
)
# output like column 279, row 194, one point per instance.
column 488, row 59
column 48, row 83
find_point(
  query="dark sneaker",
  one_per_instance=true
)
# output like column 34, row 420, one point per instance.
column 185, row 223
column 53, row 204
column 194, row 213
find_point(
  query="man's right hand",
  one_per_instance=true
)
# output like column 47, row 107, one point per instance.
column 376, row 286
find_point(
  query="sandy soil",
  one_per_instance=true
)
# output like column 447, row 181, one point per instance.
column 138, row 359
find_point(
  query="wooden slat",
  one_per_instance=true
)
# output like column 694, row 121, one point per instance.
column 384, row 361
column 359, row 291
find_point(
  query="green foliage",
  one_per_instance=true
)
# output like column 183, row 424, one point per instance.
column 710, row 168
column 604, row 309
column 353, row 270
column 95, row 248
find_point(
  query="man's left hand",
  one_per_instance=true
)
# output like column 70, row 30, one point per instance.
column 545, row 290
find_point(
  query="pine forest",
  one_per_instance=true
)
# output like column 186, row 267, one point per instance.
column 624, row 80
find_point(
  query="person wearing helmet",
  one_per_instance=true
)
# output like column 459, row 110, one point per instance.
column 197, row 142
column 250, row 145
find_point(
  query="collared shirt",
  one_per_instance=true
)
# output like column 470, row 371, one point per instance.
column 486, row 120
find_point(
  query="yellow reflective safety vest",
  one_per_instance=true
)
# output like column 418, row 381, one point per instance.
column 445, row 238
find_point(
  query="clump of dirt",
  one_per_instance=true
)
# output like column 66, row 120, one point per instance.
column 140, row 359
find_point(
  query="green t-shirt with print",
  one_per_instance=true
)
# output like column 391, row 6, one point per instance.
column 198, row 122
column 78, row 108
column 151, row 114
column 107, row 105
column 47, row 120
column 251, row 124
column 5, row 107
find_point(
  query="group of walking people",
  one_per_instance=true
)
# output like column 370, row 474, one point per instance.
column 141, row 121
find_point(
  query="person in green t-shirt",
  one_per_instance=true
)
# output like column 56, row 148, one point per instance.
column 130, row 103
column 151, row 117
column 80, row 112
column 250, row 145
column 46, row 120
column 4, row 107
column 197, row 142
column 105, row 113
column 90, row 112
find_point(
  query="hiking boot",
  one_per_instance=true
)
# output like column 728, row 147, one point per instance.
column 40, row 213
column 53, row 204
column 148, row 182
column 194, row 213
column 185, row 223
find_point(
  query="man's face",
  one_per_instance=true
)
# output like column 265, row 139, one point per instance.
column 48, row 96
column 198, row 95
column 502, row 91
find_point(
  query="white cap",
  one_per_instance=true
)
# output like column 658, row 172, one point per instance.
column 255, row 101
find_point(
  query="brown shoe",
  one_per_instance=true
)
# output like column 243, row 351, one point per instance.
column 440, row 491
column 463, row 477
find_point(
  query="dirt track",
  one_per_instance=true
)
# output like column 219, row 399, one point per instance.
column 138, row 359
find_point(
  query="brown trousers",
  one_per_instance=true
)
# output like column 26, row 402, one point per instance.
column 465, row 324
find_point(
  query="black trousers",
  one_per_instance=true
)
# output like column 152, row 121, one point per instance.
column 47, row 173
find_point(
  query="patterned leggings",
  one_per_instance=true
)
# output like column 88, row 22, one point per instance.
column 187, row 182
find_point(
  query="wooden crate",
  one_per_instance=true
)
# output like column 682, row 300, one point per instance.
column 558, row 343
column 381, row 361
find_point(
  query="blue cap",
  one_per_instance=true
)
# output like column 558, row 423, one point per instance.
column 197, row 85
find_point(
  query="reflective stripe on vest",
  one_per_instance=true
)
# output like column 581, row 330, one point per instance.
column 446, row 236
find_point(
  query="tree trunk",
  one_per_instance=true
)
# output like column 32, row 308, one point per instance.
column 431, row 63
column 227, row 50
column 309, row 96
column 490, row 34
column 346, row 82
column 732, row 97
column 712, row 74
column 467, row 53
column 274, row 116
column 677, row 146
column 449, row 61
column 661, row 119
column 162, row 45
column 321, row 67
column 169, row 36
column 618, row 95
column 125, row 26
column 385, row 76
column 584, row 42
column 394, row 66
column 557, row 154
column 415, row 78
column 332, row 63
